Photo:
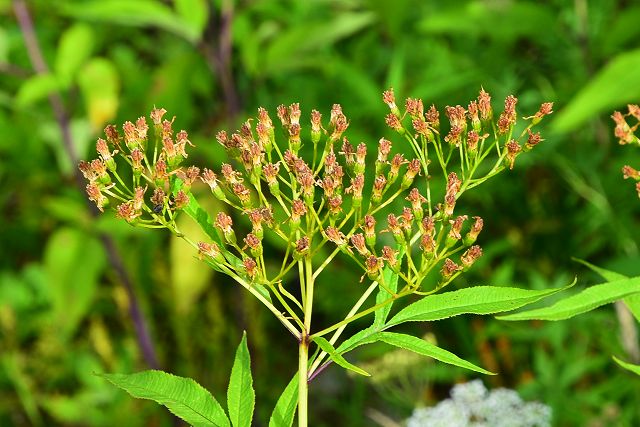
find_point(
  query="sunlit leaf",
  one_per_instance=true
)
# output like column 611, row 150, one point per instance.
column 586, row 300
column 425, row 348
column 74, row 48
column 285, row 409
column 474, row 300
column 37, row 88
column 184, row 397
column 139, row 13
column 630, row 366
column 240, row 394
column 337, row 357
column 614, row 85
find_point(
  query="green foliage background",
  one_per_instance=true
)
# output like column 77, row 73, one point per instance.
column 63, row 312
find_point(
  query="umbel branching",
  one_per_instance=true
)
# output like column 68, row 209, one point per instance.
column 322, row 197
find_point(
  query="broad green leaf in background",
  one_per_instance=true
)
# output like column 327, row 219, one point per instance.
column 506, row 21
column 240, row 394
column 139, row 13
column 337, row 357
column 615, row 85
column 425, row 348
column 474, row 300
column 184, row 397
column 288, row 48
column 74, row 48
column 37, row 88
column 189, row 275
column 194, row 14
column 99, row 83
column 73, row 263
column 586, row 300
column 285, row 409
column 630, row 366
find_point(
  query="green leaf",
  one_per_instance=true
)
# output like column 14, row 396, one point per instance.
column 240, row 394
column 391, row 281
column 632, row 302
column 139, row 13
column 194, row 13
column 285, row 409
column 74, row 48
column 37, row 88
column 606, row 274
column 184, row 397
column 337, row 357
column 73, row 263
column 425, row 348
column 291, row 48
column 475, row 300
column 365, row 336
column 100, row 83
column 586, row 300
column 630, row 366
column 615, row 85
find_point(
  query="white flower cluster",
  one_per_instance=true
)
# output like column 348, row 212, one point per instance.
column 472, row 405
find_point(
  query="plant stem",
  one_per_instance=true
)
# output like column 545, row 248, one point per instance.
column 303, row 388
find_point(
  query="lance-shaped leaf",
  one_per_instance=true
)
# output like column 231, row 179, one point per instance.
column 632, row 302
column 475, row 300
column 425, row 348
column 630, row 366
column 184, row 397
column 285, row 409
column 240, row 394
column 337, row 357
column 586, row 300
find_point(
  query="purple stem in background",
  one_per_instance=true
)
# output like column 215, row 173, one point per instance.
column 40, row 66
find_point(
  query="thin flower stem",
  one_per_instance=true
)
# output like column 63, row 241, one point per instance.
column 359, row 315
column 341, row 329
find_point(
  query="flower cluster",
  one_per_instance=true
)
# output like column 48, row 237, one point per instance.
column 382, row 209
column 472, row 405
column 626, row 135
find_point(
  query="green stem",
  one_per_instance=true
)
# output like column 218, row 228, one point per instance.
column 303, row 386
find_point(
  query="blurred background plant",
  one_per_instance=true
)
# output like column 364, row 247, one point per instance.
column 64, row 313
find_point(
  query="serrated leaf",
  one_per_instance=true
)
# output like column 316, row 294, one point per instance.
column 425, row 348
column 474, row 300
column 365, row 336
column 74, row 48
column 630, row 366
column 337, row 357
column 139, row 13
column 240, row 394
column 37, row 88
column 615, row 85
column 285, row 409
column 184, row 397
column 632, row 302
column 605, row 274
column 586, row 300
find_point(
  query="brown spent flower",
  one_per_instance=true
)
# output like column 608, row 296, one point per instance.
column 629, row 172
column 358, row 242
column 96, row 196
column 433, row 117
column 449, row 269
column 224, row 223
column 158, row 200
column 302, row 245
column 389, row 98
column 336, row 236
column 127, row 212
column 252, row 241
column 622, row 130
column 250, row 267
column 456, row 227
column 156, row 115
column 390, row 256
column 394, row 122
column 373, row 265
column 470, row 256
column 210, row 250
column 414, row 107
column 513, row 149
column 533, row 140
column 484, row 105
column 181, row 200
